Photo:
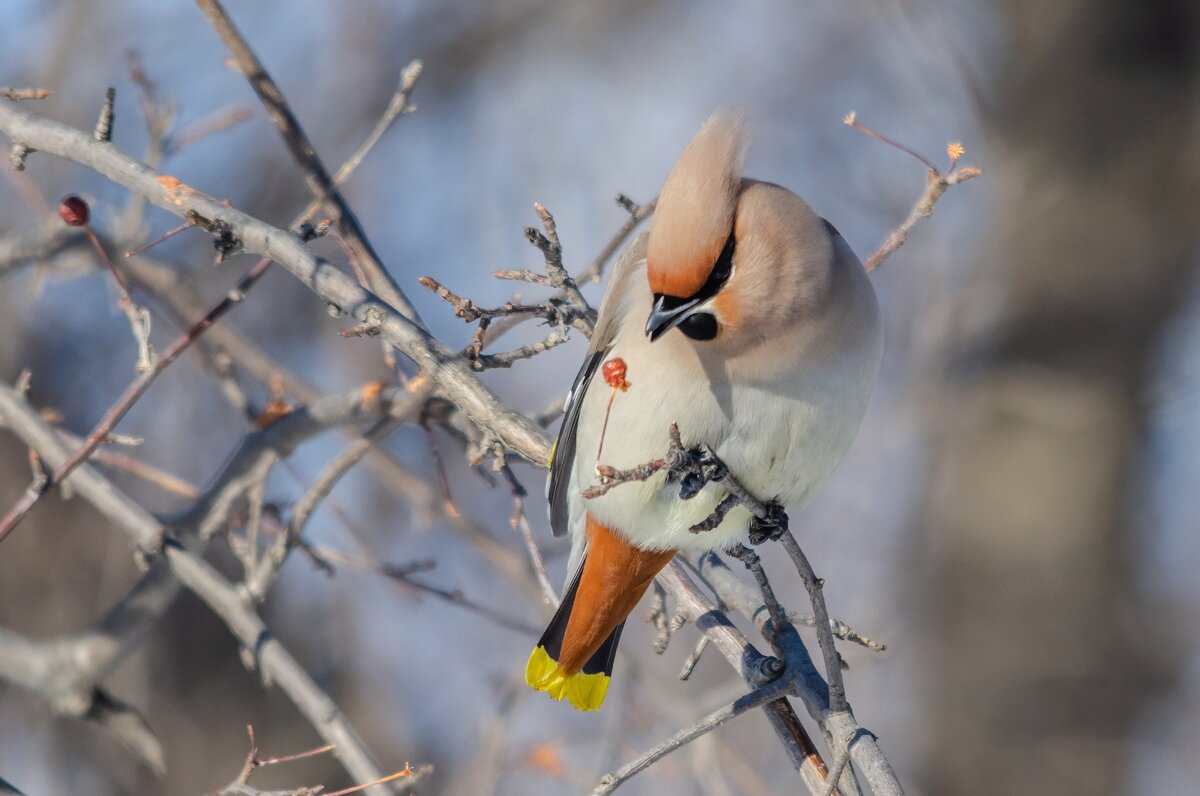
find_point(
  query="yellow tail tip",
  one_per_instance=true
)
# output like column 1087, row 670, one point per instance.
column 583, row 691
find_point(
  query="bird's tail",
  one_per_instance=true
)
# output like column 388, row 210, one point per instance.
column 574, row 658
column 585, row 688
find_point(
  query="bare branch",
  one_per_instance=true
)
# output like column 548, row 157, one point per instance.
column 63, row 671
column 132, row 393
column 397, row 106
column 689, row 665
column 551, row 248
column 401, row 411
column 322, row 185
column 210, row 586
column 754, row 699
column 216, row 122
column 508, row 358
column 403, row 574
column 755, row 668
column 467, row 310
column 695, row 468
column 454, row 377
column 936, row 184
column 518, row 520
column 19, row 94
column 637, row 214
column 740, row 596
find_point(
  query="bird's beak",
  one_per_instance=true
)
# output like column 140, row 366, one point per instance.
column 663, row 320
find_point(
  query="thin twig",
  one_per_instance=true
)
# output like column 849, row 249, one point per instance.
column 399, row 104
column 159, row 118
column 689, row 665
column 754, row 564
column 756, row 669
column 754, row 699
column 273, row 560
column 216, row 122
column 199, row 577
column 507, row 359
column 253, row 761
column 407, row 773
column 454, row 377
column 138, row 318
column 833, row 661
column 740, row 596
column 322, row 185
column 518, row 520
column 19, row 94
column 132, row 393
column 404, row 573
column 467, row 310
column 936, row 184
column 637, row 214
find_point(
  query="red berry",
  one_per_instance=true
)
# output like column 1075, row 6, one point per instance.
column 74, row 211
column 614, row 373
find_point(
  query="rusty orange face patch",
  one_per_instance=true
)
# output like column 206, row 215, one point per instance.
column 728, row 310
column 680, row 280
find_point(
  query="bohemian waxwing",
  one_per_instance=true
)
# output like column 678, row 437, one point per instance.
column 744, row 318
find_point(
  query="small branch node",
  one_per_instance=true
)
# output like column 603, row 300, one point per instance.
column 20, row 94
column 370, row 326
column 18, row 153
column 103, row 132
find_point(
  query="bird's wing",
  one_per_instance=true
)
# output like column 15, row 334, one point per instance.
column 562, row 456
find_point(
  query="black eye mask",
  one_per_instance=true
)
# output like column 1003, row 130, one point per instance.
column 699, row 325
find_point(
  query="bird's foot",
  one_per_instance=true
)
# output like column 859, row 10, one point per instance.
column 695, row 468
column 770, row 527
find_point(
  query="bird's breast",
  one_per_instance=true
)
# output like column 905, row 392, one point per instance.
column 780, row 437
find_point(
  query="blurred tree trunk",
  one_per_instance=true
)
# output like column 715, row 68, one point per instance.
column 1037, row 656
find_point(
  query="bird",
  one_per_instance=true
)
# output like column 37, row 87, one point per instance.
column 743, row 318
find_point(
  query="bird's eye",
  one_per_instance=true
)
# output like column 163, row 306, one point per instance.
column 723, row 267
column 701, row 326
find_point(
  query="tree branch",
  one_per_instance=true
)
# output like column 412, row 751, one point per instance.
column 755, row 699
column 452, row 375
column 199, row 577
column 378, row 279
column 637, row 214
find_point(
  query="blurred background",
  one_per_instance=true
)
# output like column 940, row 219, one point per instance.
column 1017, row 520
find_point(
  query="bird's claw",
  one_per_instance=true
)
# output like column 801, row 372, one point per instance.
column 770, row 527
column 695, row 469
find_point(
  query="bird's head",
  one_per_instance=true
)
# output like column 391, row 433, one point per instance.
column 731, row 262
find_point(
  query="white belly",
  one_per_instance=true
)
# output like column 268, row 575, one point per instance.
column 780, row 439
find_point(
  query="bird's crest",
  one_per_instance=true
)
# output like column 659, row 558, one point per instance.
column 695, row 211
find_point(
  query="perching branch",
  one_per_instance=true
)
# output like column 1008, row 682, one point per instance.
column 693, row 469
